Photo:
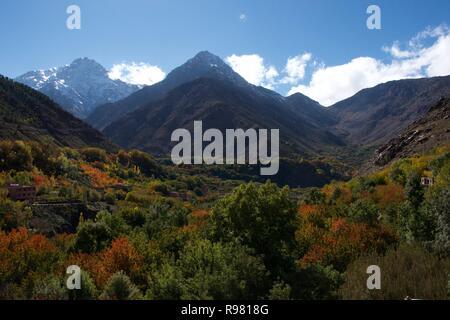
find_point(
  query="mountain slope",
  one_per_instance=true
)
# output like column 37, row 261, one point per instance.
column 204, row 64
column 26, row 114
column 311, row 110
column 78, row 87
column 219, row 104
column 375, row 115
column 430, row 131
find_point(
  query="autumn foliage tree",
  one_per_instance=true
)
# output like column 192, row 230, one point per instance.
column 341, row 241
column 25, row 257
column 120, row 256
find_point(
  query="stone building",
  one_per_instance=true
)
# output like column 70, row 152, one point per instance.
column 17, row 192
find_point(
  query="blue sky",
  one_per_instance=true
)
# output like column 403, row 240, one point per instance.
column 165, row 33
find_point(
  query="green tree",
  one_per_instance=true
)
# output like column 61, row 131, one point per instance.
column 162, row 216
column 314, row 196
column 397, row 175
column 15, row 156
column 363, row 210
column 413, row 189
column 438, row 208
column 13, row 214
column 207, row 270
column 120, row 287
column 115, row 222
column 123, row 158
column 280, row 291
column 262, row 217
column 317, row 282
column 133, row 216
column 94, row 154
column 146, row 164
column 92, row 236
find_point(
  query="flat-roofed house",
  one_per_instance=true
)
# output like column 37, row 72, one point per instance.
column 426, row 181
column 21, row 193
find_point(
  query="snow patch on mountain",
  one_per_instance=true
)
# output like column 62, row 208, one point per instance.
column 79, row 87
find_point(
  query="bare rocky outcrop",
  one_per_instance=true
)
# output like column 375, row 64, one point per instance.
column 430, row 131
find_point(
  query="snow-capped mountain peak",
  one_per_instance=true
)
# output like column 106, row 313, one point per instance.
column 78, row 87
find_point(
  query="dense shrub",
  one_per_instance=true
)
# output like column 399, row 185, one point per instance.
column 364, row 211
column 92, row 236
column 280, row 291
column 119, row 287
column 88, row 290
column 408, row 271
column 437, row 208
column 207, row 270
column 146, row 164
column 13, row 215
column 94, row 154
column 15, row 156
column 50, row 288
column 163, row 216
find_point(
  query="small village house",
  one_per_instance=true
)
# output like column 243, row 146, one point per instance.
column 17, row 192
column 426, row 181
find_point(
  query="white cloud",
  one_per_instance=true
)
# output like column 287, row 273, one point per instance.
column 396, row 52
column 295, row 68
column 252, row 68
column 137, row 73
column 331, row 84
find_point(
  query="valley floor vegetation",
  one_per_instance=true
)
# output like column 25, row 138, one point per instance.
column 140, row 228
